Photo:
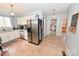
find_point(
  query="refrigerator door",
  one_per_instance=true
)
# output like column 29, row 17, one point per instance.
column 39, row 30
column 35, row 31
column 29, row 29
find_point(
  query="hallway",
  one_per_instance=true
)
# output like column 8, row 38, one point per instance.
column 50, row 46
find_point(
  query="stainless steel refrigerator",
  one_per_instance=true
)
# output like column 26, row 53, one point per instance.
column 36, row 30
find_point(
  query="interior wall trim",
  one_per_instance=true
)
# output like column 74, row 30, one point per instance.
column 68, row 53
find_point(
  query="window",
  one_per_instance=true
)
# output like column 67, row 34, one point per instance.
column 1, row 22
column 5, row 22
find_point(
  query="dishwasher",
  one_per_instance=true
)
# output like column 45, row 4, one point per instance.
column 24, row 34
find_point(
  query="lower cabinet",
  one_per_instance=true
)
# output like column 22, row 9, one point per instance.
column 4, row 38
column 26, row 35
column 8, row 36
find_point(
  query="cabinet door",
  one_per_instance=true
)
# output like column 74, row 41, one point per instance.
column 25, row 35
column 17, row 34
column 4, row 38
column 11, row 36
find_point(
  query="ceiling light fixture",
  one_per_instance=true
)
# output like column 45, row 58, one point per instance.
column 12, row 11
column 54, row 17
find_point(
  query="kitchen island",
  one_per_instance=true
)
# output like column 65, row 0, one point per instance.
column 7, row 36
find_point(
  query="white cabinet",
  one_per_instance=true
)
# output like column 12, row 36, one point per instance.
column 4, row 37
column 26, row 35
column 8, row 36
column 22, row 20
column 16, row 34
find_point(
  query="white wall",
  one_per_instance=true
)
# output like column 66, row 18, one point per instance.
column 72, row 40
column 31, row 15
column 48, row 25
column 14, row 21
column 45, row 25
column 58, row 24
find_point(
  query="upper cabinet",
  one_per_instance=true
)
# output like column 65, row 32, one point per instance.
column 22, row 20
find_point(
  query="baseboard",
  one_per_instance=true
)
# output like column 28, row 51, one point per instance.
column 68, row 53
column 8, row 43
column 67, row 50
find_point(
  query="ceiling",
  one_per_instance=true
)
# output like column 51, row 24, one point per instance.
column 21, row 8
